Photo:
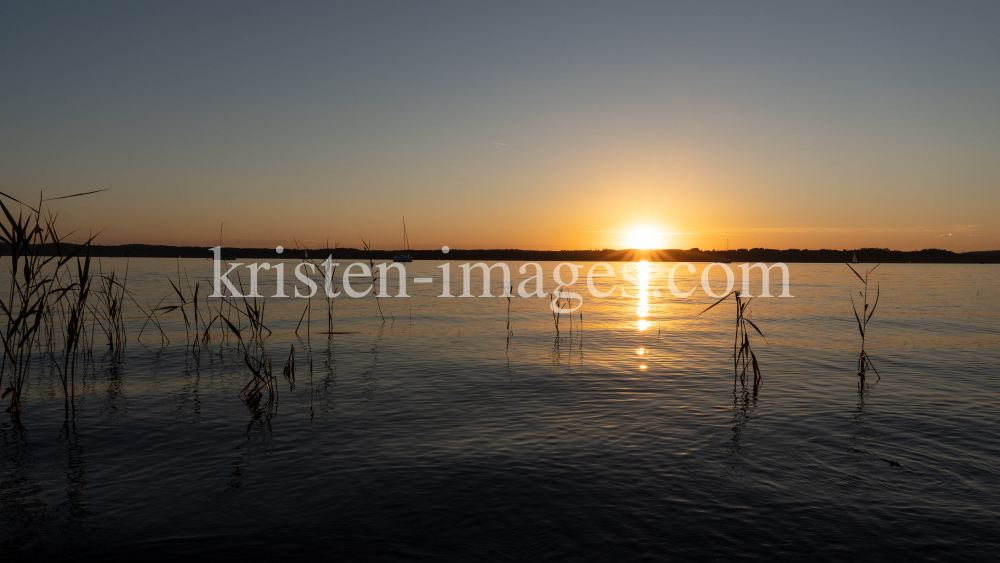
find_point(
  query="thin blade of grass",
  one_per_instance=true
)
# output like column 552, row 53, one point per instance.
column 756, row 366
column 855, row 272
column 861, row 330
column 878, row 291
column 232, row 328
column 714, row 304
column 179, row 294
column 74, row 195
column 17, row 200
column 757, row 329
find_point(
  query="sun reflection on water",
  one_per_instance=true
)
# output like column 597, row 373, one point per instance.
column 642, row 309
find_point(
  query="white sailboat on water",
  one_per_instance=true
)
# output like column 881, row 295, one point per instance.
column 726, row 260
column 404, row 256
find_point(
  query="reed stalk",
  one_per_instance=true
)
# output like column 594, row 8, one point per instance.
column 864, row 361
column 75, row 294
column 371, row 264
column 556, row 313
column 110, row 309
column 183, row 302
column 743, row 355
column 36, row 293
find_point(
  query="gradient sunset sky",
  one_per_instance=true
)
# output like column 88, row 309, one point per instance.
column 501, row 125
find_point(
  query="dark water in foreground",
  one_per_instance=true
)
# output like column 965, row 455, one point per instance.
column 428, row 438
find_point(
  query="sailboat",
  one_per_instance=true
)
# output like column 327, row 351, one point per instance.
column 404, row 256
column 725, row 259
column 855, row 257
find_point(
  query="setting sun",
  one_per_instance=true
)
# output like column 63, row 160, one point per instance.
column 643, row 238
column 537, row 190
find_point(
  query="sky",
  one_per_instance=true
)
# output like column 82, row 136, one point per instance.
column 534, row 125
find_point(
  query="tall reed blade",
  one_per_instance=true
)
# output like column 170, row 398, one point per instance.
column 864, row 361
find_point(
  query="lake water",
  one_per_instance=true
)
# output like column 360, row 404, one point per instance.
column 432, row 436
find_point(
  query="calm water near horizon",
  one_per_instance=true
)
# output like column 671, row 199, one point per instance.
column 431, row 437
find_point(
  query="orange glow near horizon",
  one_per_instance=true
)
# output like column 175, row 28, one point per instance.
column 626, row 139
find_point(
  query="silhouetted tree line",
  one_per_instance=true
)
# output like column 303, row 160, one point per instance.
column 926, row 256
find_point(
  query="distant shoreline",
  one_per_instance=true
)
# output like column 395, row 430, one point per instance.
column 867, row 255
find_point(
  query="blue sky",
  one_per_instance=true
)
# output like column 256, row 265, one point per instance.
column 552, row 125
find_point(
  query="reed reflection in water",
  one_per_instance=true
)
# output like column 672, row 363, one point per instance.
column 413, row 442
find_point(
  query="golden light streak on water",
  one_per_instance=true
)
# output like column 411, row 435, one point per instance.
column 642, row 309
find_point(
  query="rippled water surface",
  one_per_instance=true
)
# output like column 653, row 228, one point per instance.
column 432, row 436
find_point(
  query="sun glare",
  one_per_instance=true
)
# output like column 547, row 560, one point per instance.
column 643, row 238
